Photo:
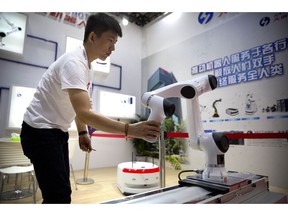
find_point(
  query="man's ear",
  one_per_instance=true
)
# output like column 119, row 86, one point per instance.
column 92, row 36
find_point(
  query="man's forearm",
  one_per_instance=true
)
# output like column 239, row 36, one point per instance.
column 80, row 125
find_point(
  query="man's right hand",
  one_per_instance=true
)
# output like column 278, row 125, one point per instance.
column 147, row 130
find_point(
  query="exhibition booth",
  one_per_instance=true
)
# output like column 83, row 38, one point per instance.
column 217, row 82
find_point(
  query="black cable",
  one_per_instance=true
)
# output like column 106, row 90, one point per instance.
column 195, row 171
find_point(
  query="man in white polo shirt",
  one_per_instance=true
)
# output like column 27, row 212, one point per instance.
column 62, row 96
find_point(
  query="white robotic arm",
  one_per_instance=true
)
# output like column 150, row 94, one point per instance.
column 214, row 144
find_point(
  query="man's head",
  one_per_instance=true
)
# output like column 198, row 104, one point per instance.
column 101, row 34
column 100, row 23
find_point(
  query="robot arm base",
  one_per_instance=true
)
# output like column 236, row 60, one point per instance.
column 218, row 174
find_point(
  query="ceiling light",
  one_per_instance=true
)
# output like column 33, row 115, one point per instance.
column 125, row 21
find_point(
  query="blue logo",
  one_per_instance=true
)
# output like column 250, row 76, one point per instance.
column 264, row 21
column 204, row 18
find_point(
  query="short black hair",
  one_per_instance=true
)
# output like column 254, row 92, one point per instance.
column 101, row 22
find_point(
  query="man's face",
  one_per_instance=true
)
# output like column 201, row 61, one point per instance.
column 105, row 44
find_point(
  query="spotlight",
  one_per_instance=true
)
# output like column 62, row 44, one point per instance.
column 125, row 21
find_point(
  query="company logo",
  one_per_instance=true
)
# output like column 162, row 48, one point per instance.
column 205, row 18
column 264, row 21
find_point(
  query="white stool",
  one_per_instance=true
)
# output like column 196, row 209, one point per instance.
column 14, row 162
column 18, row 192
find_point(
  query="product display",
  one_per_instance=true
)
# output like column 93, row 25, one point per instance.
column 213, row 184
column 232, row 111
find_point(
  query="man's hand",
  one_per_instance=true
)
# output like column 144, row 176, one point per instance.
column 148, row 130
column 85, row 143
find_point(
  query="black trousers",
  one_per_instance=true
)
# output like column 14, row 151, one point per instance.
column 48, row 151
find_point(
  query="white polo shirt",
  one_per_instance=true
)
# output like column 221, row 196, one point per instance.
column 51, row 106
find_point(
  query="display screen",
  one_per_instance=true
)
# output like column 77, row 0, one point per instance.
column 117, row 105
column 12, row 32
column 20, row 98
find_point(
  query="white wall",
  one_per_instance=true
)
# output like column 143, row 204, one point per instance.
column 182, row 42
column 127, row 54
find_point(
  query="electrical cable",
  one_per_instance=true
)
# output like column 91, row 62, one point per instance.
column 183, row 171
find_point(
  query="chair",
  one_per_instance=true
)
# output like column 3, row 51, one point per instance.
column 14, row 162
column 72, row 146
column 18, row 192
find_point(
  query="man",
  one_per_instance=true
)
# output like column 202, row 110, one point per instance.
column 62, row 96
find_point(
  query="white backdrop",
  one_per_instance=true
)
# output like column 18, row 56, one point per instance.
column 188, row 40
